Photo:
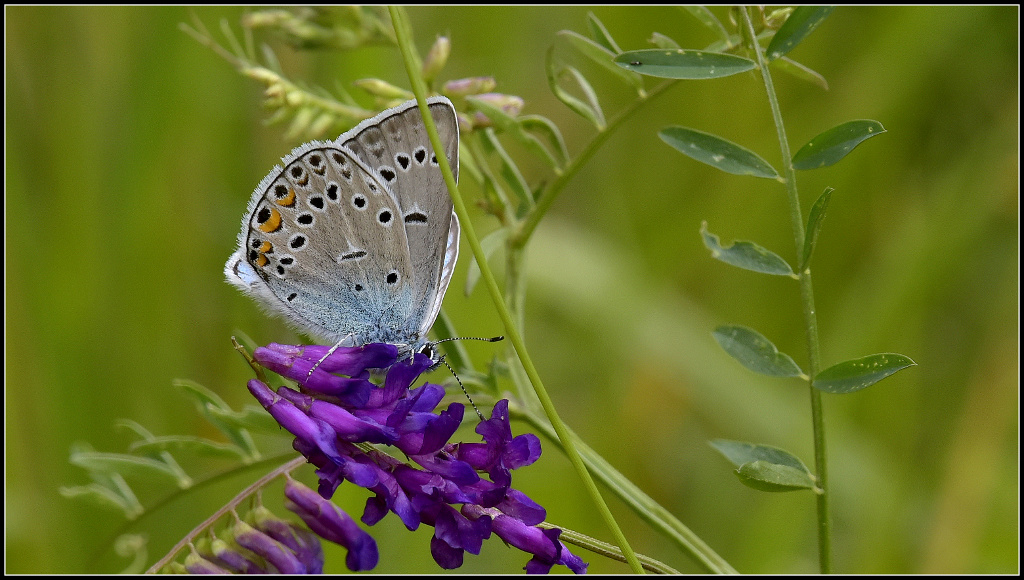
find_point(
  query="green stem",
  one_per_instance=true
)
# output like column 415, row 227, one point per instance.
column 404, row 36
column 810, row 318
column 642, row 504
column 519, row 238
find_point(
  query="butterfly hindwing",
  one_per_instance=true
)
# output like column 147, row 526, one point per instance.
column 396, row 148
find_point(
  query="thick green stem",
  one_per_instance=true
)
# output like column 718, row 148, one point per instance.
column 810, row 317
column 404, row 36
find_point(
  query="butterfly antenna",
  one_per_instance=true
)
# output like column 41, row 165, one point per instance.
column 492, row 339
column 464, row 391
column 463, row 387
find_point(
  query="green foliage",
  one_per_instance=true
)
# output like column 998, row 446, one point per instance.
column 755, row 352
column 683, row 64
column 717, row 152
column 746, row 255
column 854, row 375
column 832, row 145
column 130, row 150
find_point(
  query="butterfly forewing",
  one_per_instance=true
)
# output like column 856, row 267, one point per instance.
column 396, row 148
column 327, row 239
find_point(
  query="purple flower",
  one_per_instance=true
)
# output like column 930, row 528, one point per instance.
column 332, row 523
column 338, row 408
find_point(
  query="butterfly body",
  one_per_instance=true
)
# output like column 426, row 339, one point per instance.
column 355, row 240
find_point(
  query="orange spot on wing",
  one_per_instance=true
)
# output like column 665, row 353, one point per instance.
column 273, row 223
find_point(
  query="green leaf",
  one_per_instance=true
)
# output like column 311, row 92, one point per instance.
column 800, row 71
column 717, row 152
column 740, row 452
column 511, row 126
column 755, row 352
column 554, row 72
column 197, row 445
column 814, row 221
column 683, row 64
column 765, row 467
column 746, row 255
column 854, row 375
column 602, row 57
column 547, row 128
column 600, row 34
column 509, row 171
column 764, row 476
column 800, row 23
column 488, row 244
column 593, row 106
column 128, row 465
column 709, row 20
column 251, row 417
column 216, row 411
column 105, row 497
column 661, row 41
column 832, row 145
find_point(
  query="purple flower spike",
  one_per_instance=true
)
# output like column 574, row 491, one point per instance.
column 333, row 416
column 332, row 523
column 285, row 363
column 226, row 556
column 305, row 545
column 313, row 431
column 352, row 360
column 274, row 552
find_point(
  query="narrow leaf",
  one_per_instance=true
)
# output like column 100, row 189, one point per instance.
column 740, row 452
column 708, row 19
column 509, row 171
column 683, row 64
column 488, row 244
column 547, row 128
column 216, row 410
column 717, row 152
column 755, row 352
column 601, row 56
column 746, row 255
column 600, row 34
column 832, row 145
column 661, row 41
column 251, row 417
column 105, row 497
column 576, row 105
column 127, row 464
column 765, row 467
column 197, row 445
column 814, row 221
column 800, row 23
column 800, row 71
column 854, row 375
column 764, row 476
column 588, row 91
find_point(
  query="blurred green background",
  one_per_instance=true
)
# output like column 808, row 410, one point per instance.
column 131, row 151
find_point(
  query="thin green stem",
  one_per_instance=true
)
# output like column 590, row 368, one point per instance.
column 642, row 504
column 519, row 238
column 228, row 507
column 810, row 318
column 404, row 36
